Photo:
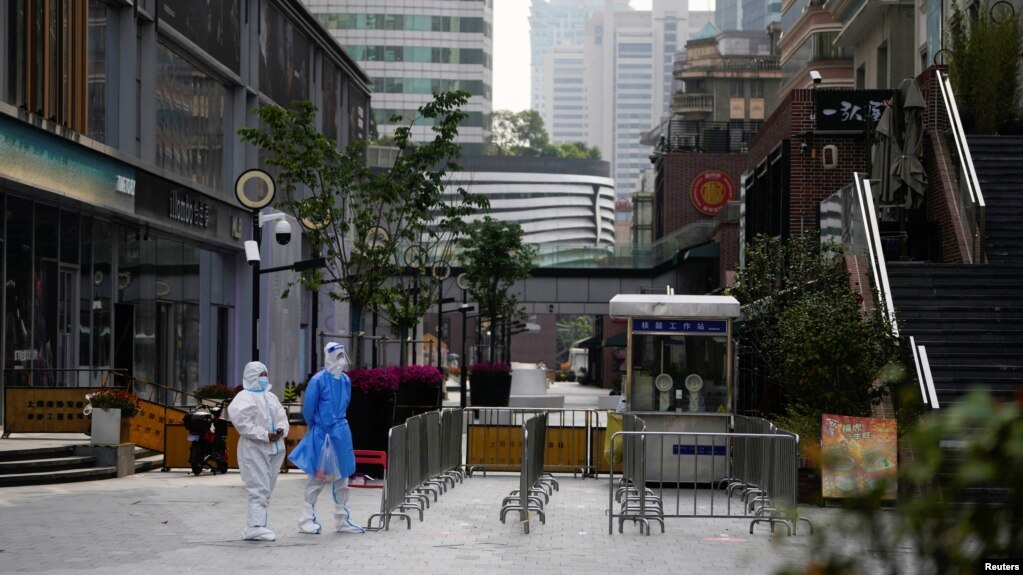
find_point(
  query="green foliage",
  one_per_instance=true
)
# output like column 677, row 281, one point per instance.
column 946, row 535
column 984, row 64
column 495, row 257
column 523, row 134
column 366, row 218
column 121, row 399
column 570, row 329
column 816, row 351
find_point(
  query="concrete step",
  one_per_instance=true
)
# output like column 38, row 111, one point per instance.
column 65, row 476
column 37, row 465
column 36, row 453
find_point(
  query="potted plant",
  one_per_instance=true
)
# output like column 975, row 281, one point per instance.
column 419, row 390
column 110, row 410
column 371, row 410
column 215, row 394
column 490, row 384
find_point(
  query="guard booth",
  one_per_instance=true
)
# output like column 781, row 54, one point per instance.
column 679, row 356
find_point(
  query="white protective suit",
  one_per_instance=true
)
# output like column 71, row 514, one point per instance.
column 256, row 413
column 325, row 407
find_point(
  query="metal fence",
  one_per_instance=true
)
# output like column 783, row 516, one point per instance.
column 535, row 486
column 756, row 478
column 424, row 461
column 494, row 439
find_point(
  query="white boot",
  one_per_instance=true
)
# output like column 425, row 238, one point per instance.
column 257, row 530
column 341, row 513
column 307, row 524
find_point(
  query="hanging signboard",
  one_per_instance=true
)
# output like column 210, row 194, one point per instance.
column 711, row 190
column 858, row 454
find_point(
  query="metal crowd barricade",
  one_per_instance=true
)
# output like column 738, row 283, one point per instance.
column 451, row 423
column 393, row 500
column 636, row 502
column 417, row 488
column 761, row 472
column 535, row 487
column 494, row 437
column 435, row 476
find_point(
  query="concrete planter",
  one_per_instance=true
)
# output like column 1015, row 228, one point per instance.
column 107, row 426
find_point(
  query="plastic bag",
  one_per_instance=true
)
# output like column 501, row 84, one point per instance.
column 327, row 467
column 614, row 425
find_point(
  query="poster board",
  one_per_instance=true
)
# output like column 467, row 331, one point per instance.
column 858, row 453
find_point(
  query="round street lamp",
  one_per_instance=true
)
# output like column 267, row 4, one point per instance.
column 255, row 189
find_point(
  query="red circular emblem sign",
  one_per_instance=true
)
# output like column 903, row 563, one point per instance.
column 711, row 190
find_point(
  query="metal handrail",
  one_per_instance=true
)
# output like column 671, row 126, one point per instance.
column 923, row 374
column 968, row 174
column 865, row 198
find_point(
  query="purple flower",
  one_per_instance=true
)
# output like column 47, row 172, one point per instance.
column 375, row 380
column 420, row 375
column 488, row 368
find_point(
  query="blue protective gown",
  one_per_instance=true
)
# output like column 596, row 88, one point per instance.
column 324, row 405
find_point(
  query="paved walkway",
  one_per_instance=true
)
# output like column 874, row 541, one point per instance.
column 172, row 523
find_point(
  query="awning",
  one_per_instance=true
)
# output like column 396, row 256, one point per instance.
column 588, row 343
column 617, row 340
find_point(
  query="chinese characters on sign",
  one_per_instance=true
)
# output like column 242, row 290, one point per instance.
column 850, row 109
column 710, row 191
column 859, row 454
column 698, row 326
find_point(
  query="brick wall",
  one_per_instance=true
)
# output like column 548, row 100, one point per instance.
column 679, row 171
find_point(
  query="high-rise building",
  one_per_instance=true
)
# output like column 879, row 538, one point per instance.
column 559, row 25
column 628, row 82
column 412, row 49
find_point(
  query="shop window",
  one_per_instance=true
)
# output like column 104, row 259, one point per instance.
column 18, row 349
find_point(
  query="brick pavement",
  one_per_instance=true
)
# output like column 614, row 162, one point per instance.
column 170, row 523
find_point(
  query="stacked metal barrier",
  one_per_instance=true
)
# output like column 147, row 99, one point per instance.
column 423, row 461
column 392, row 497
column 760, row 468
column 636, row 502
column 535, row 486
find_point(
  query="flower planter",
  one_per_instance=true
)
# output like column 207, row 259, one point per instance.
column 490, row 390
column 107, row 426
column 370, row 417
column 415, row 399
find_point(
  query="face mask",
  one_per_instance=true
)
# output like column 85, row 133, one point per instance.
column 340, row 364
column 263, row 382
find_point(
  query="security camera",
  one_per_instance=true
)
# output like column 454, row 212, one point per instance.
column 815, row 76
column 282, row 231
column 251, row 251
column 804, row 148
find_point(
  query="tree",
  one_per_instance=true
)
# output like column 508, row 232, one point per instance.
column 495, row 257
column 984, row 62
column 523, row 134
column 361, row 218
column 804, row 340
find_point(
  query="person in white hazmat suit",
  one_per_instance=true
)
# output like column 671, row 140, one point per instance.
column 324, row 406
column 262, row 425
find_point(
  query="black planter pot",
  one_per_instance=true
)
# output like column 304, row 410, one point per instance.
column 491, row 390
column 415, row 399
column 370, row 417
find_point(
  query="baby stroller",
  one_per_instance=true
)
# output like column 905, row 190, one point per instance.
column 208, row 434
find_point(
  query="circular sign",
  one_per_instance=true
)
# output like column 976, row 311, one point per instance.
column 710, row 191
column 462, row 281
column 255, row 196
column 441, row 270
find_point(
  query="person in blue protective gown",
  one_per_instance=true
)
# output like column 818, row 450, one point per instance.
column 324, row 407
column 262, row 425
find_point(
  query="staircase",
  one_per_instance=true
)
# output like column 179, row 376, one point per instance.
column 64, row 464
column 999, row 164
column 970, row 317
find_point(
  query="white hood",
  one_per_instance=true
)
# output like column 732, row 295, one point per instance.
column 335, row 360
column 251, row 375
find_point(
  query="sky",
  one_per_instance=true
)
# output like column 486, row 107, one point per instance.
column 511, row 50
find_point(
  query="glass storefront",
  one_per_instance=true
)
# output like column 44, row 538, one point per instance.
column 84, row 294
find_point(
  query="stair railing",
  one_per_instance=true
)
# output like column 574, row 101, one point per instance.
column 971, row 199
column 923, row 374
column 872, row 238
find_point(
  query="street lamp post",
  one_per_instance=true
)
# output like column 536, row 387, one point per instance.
column 255, row 189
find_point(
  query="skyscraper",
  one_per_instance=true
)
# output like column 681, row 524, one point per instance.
column 628, row 82
column 412, row 49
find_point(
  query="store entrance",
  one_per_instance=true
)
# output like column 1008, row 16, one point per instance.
column 124, row 342
column 67, row 328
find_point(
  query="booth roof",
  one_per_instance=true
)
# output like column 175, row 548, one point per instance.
column 673, row 306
